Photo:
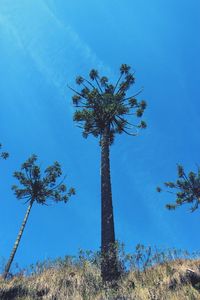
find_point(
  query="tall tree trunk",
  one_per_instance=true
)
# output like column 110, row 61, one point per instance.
column 12, row 255
column 109, row 264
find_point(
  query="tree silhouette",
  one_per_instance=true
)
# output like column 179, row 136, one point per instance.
column 36, row 187
column 104, row 110
column 3, row 154
column 186, row 189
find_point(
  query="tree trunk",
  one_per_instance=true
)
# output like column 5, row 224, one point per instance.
column 12, row 255
column 109, row 264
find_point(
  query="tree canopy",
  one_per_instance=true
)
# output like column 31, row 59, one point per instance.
column 40, row 186
column 100, row 104
column 186, row 189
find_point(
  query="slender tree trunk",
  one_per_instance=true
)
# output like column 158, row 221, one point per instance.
column 109, row 265
column 12, row 255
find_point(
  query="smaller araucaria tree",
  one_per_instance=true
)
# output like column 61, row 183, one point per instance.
column 3, row 154
column 186, row 189
column 36, row 187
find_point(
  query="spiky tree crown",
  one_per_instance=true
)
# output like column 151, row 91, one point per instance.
column 101, row 104
column 39, row 187
column 186, row 188
column 3, row 154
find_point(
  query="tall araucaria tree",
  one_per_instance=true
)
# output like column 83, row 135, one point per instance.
column 104, row 110
column 186, row 189
column 36, row 187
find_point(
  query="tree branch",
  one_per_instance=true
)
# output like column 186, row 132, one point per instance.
column 117, row 82
column 135, row 95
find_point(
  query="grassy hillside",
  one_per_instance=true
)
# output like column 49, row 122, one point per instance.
column 67, row 279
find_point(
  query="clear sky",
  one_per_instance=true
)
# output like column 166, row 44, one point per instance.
column 44, row 44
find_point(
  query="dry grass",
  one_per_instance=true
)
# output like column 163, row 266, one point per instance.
column 65, row 280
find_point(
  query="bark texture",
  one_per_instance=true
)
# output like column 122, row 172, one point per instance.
column 109, row 265
column 12, row 255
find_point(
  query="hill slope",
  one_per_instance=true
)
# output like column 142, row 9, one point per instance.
column 177, row 279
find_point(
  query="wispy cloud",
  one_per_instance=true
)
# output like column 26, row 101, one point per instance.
column 56, row 48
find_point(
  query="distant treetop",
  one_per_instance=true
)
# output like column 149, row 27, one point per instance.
column 40, row 187
column 186, row 189
column 3, row 154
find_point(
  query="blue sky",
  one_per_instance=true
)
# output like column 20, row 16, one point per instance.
column 44, row 44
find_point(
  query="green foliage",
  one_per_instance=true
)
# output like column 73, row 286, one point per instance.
column 186, row 189
column 3, row 154
column 35, row 186
column 101, row 104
